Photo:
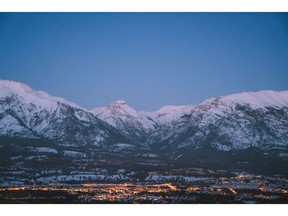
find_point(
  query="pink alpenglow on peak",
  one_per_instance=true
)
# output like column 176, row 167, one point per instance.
column 29, row 95
column 120, row 102
column 119, row 107
column 260, row 99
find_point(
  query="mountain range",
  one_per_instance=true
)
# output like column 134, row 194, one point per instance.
column 249, row 123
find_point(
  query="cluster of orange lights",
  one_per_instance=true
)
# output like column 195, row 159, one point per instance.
column 16, row 188
column 262, row 189
column 232, row 190
column 116, row 191
column 193, row 189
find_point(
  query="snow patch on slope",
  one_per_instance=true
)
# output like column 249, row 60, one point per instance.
column 9, row 125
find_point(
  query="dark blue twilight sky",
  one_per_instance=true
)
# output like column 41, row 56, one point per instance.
column 147, row 59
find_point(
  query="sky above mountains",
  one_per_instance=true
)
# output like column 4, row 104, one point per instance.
column 147, row 59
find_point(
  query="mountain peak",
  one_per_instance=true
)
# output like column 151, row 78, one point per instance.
column 260, row 98
column 8, row 88
column 29, row 95
column 122, row 107
column 14, row 86
column 119, row 103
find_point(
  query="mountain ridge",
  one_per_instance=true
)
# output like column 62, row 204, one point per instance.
column 235, row 121
column 50, row 117
column 243, row 130
column 273, row 97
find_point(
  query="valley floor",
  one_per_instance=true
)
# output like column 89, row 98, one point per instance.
column 183, row 185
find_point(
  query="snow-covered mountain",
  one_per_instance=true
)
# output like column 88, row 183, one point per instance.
column 136, row 125
column 28, row 113
column 238, row 121
column 227, row 123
